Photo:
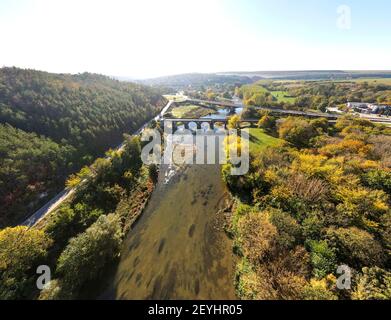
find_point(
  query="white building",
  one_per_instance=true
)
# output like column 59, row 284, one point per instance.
column 365, row 107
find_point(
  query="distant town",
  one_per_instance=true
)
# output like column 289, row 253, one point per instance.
column 370, row 108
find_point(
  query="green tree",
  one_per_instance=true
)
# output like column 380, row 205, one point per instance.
column 323, row 258
column 288, row 229
column 378, row 179
column 373, row 284
column 62, row 225
column 87, row 254
column 318, row 290
column 21, row 251
column 234, row 122
column 355, row 247
column 267, row 122
column 297, row 131
column 153, row 173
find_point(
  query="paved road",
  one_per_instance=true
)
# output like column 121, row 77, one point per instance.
column 53, row 203
column 48, row 207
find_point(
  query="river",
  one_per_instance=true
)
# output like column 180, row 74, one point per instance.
column 178, row 249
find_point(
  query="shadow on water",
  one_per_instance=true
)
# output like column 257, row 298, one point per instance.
column 176, row 251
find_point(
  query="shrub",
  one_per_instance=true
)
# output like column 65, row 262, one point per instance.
column 318, row 290
column 355, row 247
column 288, row 229
column 378, row 179
column 21, row 251
column 267, row 122
column 373, row 284
column 87, row 254
column 297, row 131
column 62, row 225
column 323, row 258
column 256, row 235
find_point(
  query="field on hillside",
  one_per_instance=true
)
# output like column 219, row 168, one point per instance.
column 260, row 87
column 283, row 96
column 259, row 140
column 374, row 80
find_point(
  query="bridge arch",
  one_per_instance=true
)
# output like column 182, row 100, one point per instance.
column 192, row 125
column 207, row 125
column 221, row 125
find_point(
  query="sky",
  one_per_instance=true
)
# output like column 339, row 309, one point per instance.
column 149, row 38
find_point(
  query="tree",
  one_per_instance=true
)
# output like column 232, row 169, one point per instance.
column 373, row 284
column 21, row 251
column 361, row 206
column 249, row 113
column 234, row 122
column 355, row 247
column 297, row 131
column 257, row 235
column 153, row 172
column 86, row 255
column 378, row 179
column 267, row 122
column 318, row 290
column 323, row 258
column 62, row 225
column 131, row 158
column 54, row 291
column 288, row 229
column 211, row 95
column 75, row 180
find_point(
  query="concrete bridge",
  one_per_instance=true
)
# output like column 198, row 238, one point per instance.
column 174, row 123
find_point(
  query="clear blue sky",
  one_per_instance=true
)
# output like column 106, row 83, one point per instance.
column 144, row 38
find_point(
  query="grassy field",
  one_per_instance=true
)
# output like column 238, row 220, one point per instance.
column 281, row 96
column 190, row 111
column 260, row 140
column 258, row 88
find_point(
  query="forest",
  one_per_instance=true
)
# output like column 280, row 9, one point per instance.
column 82, row 237
column 53, row 124
column 319, row 200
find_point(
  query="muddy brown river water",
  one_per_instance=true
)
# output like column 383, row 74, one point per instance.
column 178, row 249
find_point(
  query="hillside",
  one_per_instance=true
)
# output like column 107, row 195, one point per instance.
column 311, row 74
column 197, row 80
column 55, row 123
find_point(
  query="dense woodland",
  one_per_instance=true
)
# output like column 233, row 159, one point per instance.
column 83, row 237
column 52, row 124
column 320, row 200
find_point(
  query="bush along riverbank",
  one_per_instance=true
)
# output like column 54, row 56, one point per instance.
column 81, row 239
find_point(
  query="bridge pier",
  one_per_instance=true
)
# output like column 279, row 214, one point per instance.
column 169, row 125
